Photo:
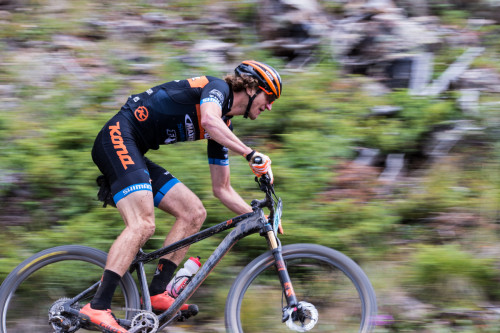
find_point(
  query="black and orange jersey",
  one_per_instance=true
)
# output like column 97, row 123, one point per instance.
column 170, row 113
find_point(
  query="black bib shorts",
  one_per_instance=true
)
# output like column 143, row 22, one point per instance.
column 127, row 170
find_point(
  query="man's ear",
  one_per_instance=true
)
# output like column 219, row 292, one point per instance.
column 250, row 91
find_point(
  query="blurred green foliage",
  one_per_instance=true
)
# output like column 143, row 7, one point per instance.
column 444, row 275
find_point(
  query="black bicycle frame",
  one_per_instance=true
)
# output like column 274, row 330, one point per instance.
column 244, row 225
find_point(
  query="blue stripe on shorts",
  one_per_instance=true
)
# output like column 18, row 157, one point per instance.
column 132, row 188
column 218, row 161
column 165, row 188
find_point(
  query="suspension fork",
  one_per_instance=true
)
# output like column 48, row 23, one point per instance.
column 279, row 263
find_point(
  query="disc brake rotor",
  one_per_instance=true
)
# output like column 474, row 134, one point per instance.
column 303, row 318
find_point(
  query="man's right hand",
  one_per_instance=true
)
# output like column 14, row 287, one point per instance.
column 264, row 166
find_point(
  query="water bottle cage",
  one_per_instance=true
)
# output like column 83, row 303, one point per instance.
column 177, row 279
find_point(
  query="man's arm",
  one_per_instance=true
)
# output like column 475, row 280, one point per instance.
column 213, row 124
column 223, row 190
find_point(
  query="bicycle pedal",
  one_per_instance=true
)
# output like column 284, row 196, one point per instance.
column 190, row 312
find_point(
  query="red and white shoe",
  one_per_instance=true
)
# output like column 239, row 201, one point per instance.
column 102, row 319
column 162, row 302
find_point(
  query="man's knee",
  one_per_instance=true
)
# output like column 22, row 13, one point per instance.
column 200, row 213
column 148, row 229
column 195, row 216
column 183, row 204
column 144, row 226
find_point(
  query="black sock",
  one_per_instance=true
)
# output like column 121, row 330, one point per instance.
column 104, row 294
column 163, row 274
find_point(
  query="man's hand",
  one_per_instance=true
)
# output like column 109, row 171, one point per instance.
column 263, row 168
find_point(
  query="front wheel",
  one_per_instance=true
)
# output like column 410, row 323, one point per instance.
column 328, row 280
column 50, row 277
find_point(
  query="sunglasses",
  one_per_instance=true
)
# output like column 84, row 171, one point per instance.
column 269, row 95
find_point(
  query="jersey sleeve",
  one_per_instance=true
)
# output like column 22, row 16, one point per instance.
column 216, row 91
column 217, row 153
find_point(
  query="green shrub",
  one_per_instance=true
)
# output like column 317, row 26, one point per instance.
column 447, row 275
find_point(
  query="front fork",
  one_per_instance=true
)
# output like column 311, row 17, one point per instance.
column 279, row 263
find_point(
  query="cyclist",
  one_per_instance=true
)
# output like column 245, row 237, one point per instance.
column 176, row 111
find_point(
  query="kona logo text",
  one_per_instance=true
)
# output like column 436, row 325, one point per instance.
column 121, row 150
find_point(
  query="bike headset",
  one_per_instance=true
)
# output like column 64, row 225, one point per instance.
column 268, row 78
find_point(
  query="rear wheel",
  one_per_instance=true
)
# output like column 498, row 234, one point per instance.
column 333, row 284
column 50, row 277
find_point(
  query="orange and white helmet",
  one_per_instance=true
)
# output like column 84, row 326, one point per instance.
column 268, row 77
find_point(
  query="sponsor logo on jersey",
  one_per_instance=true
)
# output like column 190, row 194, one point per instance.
column 149, row 91
column 136, row 99
column 190, row 132
column 216, row 94
column 211, row 99
column 121, row 150
column 171, row 136
column 141, row 113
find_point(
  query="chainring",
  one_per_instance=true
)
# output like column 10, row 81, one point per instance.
column 144, row 322
column 61, row 321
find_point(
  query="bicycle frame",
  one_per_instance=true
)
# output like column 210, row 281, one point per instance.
column 244, row 225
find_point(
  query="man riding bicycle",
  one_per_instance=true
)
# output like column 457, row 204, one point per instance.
column 176, row 111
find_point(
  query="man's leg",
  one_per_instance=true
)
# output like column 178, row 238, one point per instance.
column 189, row 215
column 137, row 211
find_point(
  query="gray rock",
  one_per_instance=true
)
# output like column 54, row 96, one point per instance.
column 482, row 79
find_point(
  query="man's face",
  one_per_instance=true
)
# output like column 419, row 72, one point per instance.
column 260, row 104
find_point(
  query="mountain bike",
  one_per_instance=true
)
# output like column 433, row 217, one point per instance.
column 297, row 287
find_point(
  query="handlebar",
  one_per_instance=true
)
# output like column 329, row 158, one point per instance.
column 265, row 186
